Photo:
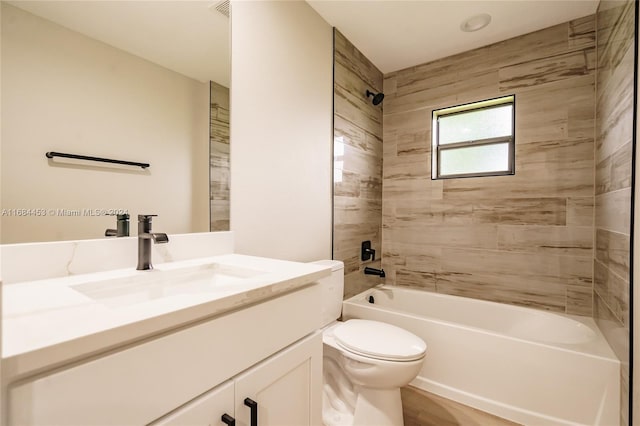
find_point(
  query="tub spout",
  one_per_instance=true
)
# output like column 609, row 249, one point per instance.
column 374, row 271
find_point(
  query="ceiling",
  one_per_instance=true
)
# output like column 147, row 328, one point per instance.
column 396, row 34
column 190, row 37
column 186, row 36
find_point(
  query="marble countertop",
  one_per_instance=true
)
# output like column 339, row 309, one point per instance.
column 50, row 322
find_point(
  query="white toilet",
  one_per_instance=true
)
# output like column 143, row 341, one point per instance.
column 364, row 363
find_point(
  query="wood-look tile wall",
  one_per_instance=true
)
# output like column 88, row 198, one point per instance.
column 525, row 239
column 613, row 156
column 357, row 163
column 219, row 157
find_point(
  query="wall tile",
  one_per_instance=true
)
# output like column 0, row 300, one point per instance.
column 613, row 211
column 612, row 251
column 614, row 132
column 614, row 330
column 547, row 70
column 580, row 211
column 474, row 236
column 486, row 287
column 351, row 107
column 614, row 120
column 525, row 239
column 560, row 240
column 346, row 54
column 358, row 151
column 347, row 185
column 579, row 300
column 347, row 133
column 520, row 211
column 519, row 268
column 582, row 33
column 416, row 279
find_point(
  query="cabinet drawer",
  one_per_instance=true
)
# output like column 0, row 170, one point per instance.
column 205, row 410
column 138, row 385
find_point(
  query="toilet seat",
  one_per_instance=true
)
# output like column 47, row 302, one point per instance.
column 378, row 340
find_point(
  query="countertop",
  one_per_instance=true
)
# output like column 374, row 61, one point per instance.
column 49, row 322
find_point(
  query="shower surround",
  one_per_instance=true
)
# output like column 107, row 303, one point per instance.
column 614, row 138
column 554, row 236
column 357, row 176
column 525, row 239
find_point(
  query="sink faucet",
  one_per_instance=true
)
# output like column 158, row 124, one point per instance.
column 144, row 241
column 122, row 227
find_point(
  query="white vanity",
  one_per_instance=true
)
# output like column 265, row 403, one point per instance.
column 206, row 333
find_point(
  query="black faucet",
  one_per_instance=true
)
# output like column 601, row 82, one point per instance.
column 144, row 241
column 374, row 271
column 122, row 226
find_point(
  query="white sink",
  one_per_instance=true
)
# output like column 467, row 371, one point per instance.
column 145, row 286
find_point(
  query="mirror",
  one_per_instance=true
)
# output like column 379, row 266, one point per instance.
column 129, row 80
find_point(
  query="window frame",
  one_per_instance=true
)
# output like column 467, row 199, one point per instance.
column 436, row 148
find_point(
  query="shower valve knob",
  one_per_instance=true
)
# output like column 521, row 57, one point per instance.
column 367, row 252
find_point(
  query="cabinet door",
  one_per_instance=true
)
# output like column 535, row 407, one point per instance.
column 287, row 387
column 206, row 410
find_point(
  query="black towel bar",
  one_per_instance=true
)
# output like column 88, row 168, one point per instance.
column 52, row 154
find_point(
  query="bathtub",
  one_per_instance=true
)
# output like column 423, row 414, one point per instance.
column 529, row 366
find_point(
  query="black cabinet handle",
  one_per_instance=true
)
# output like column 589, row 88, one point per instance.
column 228, row 420
column 254, row 410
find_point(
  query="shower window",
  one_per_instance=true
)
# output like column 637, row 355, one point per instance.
column 475, row 139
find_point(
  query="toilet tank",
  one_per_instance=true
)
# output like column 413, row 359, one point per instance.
column 332, row 289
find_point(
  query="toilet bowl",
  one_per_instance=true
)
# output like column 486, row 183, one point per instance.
column 365, row 363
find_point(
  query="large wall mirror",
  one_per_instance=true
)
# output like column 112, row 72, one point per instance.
column 141, row 81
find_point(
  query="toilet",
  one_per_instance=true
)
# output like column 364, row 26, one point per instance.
column 365, row 363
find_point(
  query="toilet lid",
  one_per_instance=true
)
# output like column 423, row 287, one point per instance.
column 379, row 340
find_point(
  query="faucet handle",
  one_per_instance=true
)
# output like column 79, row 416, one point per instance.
column 146, row 217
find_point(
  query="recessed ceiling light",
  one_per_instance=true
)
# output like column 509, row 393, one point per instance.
column 475, row 23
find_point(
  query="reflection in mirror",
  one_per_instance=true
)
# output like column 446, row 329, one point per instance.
column 123, row 80
column 219, row 151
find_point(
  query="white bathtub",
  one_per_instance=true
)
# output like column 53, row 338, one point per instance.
column 528, row 366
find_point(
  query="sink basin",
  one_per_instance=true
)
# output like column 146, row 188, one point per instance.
column 145, row 286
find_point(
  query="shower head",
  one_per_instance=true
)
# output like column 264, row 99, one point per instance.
column 377, row 97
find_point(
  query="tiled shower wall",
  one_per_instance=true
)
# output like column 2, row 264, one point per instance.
column 525, row 239
column 219, row 157
column 357, row 163
column 614, row 135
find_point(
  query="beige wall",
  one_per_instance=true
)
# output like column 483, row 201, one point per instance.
column 614, row 138
column 357, row 164
column 219, row 163
column 281, row 74
column 525, row 239
column 62, row 91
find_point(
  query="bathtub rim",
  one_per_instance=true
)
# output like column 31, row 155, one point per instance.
column 598, row 348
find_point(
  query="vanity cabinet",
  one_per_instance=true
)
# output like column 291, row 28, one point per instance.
column 286, row 390
column 269, row 351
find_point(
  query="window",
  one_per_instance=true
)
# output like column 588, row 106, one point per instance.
column 475, row 139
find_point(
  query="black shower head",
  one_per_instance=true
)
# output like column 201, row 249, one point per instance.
column 377, row 97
